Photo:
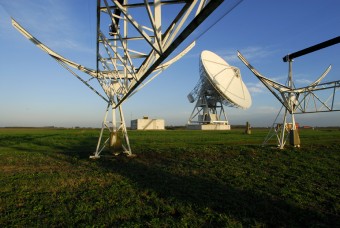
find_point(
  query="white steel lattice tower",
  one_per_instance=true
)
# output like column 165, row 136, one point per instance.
column 136, row 40
column 314, row 98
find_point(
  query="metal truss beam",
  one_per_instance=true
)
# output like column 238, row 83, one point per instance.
column 311, row 49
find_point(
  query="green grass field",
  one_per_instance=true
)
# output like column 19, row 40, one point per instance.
column 178, row 179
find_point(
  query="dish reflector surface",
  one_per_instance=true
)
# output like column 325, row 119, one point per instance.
column 225, row 79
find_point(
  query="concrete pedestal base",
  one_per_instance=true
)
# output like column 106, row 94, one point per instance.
column 222, row 127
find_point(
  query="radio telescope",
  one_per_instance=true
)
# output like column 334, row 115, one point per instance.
column 219, row 84
column 136, row 40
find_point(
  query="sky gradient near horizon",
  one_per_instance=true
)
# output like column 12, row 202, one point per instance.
column 36, row 91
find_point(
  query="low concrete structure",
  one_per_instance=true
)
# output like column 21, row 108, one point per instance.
column 147, row 124
column 208, row 127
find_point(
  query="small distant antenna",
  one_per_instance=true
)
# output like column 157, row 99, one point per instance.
column 219, row 84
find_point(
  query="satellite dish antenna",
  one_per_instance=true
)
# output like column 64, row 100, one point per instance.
column 219, row 84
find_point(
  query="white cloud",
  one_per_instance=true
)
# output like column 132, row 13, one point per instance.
column 230, row 55
column 52, row 22
column 256, row 87
column 250, row 53
column 257, row 52
column 303, row 81
column 266, row 109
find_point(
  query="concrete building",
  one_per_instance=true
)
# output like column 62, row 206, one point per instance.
column 147, row 124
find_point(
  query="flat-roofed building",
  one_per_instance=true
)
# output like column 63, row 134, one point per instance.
column 147, row 124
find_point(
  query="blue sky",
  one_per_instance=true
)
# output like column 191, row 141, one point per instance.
column 36, row 91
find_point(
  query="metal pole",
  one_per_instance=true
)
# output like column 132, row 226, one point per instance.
column 289, row 104
column 114, row 124
column 282, row 139
column 126, row 137
column 290, row 84
column 96, row 155
column 293, row 133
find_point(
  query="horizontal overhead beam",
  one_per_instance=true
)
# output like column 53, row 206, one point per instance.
column 308, row 50
column 134, row 5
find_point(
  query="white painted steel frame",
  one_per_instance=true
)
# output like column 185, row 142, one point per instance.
column 130, row 74
column 115, row 56
column 216, row 109
column 201, row 96
column 117, row 69
column 114, row 52
column 296, row 100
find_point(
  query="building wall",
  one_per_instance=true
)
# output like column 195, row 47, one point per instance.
column 147, row 124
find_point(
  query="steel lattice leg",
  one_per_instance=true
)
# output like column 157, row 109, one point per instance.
column 118, row 140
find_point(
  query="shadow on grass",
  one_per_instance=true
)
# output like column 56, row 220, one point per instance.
column 246, row 206
column 148, row 171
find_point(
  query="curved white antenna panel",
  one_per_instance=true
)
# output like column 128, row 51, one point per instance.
column 225, row 79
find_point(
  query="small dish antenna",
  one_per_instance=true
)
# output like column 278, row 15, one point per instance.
column 219, row 84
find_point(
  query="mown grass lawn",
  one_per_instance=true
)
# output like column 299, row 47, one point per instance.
column 178, row 179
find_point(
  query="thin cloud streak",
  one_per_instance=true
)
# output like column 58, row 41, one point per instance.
column 231, row 55
column 250, row 53
column 256, row 87
column 58, row 30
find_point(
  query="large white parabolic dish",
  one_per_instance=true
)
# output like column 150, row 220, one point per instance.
column 225, row 79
